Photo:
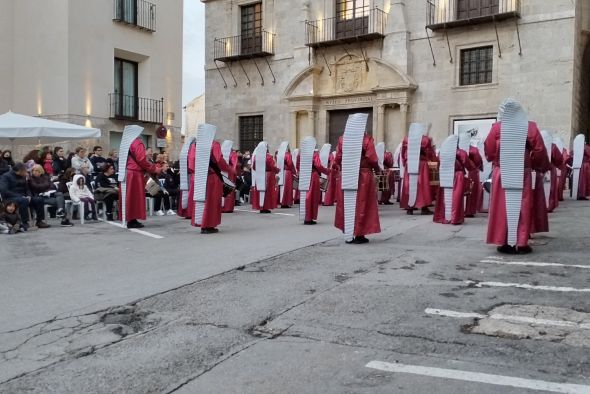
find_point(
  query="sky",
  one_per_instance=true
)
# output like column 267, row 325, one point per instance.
column 193, row 64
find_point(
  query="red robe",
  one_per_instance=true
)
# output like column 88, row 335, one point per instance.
column 563, row 176
column 556, row 162
column 473, row 199
column 535, row 157
column 314, row 194
column 270, row 197
column 189, row 212
column 330, row 195
column 423, row 193
column 584, row 182
column 290, row 170
column 214, row 195
column 229, row 201
column 137, row 165
column 366, row 219
column 462, row 165
column 388, row 165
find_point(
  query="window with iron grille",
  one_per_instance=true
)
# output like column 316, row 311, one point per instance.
column 251, row 28
column 250, row 132
column 352, row 18
column 468, row 9
column 476, row 65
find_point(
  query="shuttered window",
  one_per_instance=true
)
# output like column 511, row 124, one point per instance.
column 251, row 132
column 476, row 65
column 468, row 9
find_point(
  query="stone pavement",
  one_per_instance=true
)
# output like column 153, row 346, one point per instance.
column 292, row 309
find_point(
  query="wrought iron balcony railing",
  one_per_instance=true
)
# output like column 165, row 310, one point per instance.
column 260, row 44
column 362, row 26
column 136, row 108
column 442, row 14
column 138, row 13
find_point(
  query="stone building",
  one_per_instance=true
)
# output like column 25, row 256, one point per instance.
column 286, row 69
column 194, row 114
column 104, row 64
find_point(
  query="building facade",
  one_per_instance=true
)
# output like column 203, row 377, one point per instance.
column 104, row 64
column 194, row 115
column 282, row 70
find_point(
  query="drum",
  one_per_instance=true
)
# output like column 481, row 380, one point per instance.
column 433, row 173
column 382, row 182
column 324, row 184
column 295, row 182
column 228, row 186
column 152, row 187
column 396, row 175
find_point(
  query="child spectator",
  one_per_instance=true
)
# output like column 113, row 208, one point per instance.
column 10, row 220
column 79, row 193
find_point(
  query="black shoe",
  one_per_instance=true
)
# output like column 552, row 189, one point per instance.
column 209, row 230
column 285, row 206
column 310, row 222
column 524, row 249
column 109, row 217
column 60, row 213
column 238, row 204
column 410, row 211
column 506, row 249
column 42, row 224
column 426, row 211
column 134, row 224
column 66, row 223
column 265, row 211
column 358, row 240
column 387, row 203
column 469, row 216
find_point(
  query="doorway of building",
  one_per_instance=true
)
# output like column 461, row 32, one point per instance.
column 337, row 122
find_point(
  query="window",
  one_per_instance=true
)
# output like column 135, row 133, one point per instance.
column 250, row 132
column 352, row 18
column 467, row 9
column 126, row 103
column 251, row 26
column 126, row 10
column 476, row 65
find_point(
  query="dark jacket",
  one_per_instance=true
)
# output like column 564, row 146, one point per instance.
column 4, row 167
column 104, row 181
column 98, row 163
column 11, row 218
column 40, row 184
column 170, row 183
column 59, row 165
column 13, row 186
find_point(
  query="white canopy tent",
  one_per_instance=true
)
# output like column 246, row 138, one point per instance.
column 27, row 130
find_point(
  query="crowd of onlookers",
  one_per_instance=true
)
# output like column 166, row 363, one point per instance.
column 65, row 186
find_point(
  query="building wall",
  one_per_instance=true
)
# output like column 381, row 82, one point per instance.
column 298, row 103
column 64, row 51
column 195, row 114
column 6, row 53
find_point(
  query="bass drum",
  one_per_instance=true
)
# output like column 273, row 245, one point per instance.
column 228, row 186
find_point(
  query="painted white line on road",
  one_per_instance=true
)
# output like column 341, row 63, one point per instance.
column 510, row 318
column 527, row 286
column 272, row 213
column 535, row 264
column 447, row 313
column 478, row 377
column 135, row 230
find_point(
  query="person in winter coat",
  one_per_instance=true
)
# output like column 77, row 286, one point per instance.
column 7, row 156
column 59, row 162
column 107, row 188
column 4, row 167
column 10, row 221
column 40, row 185
column 48, row 164
column 81, row 157
column 79, row 193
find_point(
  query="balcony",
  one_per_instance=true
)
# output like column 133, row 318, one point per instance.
column 135, row 108
column 137, row 13
column 370, row 25
column 244, row 47
column 443, row 14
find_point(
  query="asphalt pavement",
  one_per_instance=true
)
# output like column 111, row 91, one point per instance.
column 272, row 306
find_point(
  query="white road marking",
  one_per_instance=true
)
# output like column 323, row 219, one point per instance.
column 535, row 264
column 478, row 377
column 527, row 286
column 135, row 230
column 511, row 318
column 272, row 213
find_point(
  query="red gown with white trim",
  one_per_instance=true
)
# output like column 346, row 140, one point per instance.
column 313, row 197
column 189, row 212
column 270, row 197
column 424, row 191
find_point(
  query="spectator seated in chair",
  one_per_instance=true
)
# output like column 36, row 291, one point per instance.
column 107, row 189
column 162, row 197
column 41, row 186
column 79, row 193
column 10, row 221
column 15, row 188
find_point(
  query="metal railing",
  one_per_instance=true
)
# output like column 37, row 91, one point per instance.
column 136, row 108
column 139, row 13
column 441, row 13
column 364, row 25
column 244, row 46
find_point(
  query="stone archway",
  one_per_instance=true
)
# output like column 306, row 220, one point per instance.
column 347, row 84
